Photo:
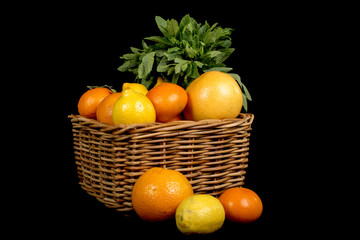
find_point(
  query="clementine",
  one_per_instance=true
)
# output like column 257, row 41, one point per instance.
column 158, row 192
column 241, row 205
column 169, row 100
column 104, row 110
column 90, row 100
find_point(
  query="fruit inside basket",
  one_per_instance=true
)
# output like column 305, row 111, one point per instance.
column 182, row 112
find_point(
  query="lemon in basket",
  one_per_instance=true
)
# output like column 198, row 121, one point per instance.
column 200, row 214
column 133, row 107
column 137, row 87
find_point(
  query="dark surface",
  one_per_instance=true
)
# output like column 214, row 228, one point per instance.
column 83, row 45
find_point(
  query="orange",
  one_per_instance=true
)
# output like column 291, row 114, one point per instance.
column 241, row 205
column 158, row 192
column 90, row 100
column 213, row 95
column 104, row 110
column 169, row 100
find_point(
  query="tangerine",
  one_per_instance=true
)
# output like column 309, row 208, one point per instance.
column 213, row 95
column 241, row 205
column 169, row 100
column 104, row 110
column 158, row 192
column 90, row 100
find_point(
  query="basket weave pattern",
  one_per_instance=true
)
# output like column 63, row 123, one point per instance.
column 212, row 154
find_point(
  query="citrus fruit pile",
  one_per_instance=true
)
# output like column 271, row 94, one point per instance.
column 213, row 95
column 161, row 194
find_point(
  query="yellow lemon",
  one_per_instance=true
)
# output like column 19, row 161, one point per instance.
column 200, row 214
column 133, row 107
column 137, row 87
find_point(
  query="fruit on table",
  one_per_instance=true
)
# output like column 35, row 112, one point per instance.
column 241, row 205
column 90, row 100
column 213, row 95
column 200, row 214
column 133, row 107
column 104, row 110
column 169, row 100
column 158, row 192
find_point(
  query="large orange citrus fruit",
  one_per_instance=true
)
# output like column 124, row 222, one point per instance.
column 169, row 100
column 90, row 100
column 241, row 205
column 213, row 95
column 158, row 192
column 104, row 110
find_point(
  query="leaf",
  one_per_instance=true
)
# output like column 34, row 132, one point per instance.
column 160, row 53
column 187, row 35
column 162, row 24
column 144, row 45
column 184, row 21
column 162, row 66
column 225, row 43
column 181, row 65
column 211, row 54
column 199, row 64
column 171, row 70
column 146, row 65
column 220, row 69
column 245, row 105
column 178, row 68
column 203, row 29
column 172, row 27
column 190, row 51
column 246, row 91
column 180, row 60
column 129, row 56
column 172, row 50
column 224, row 55
column 135, row 50
column 159, row 40
column 175, row 78
column 194, row 70
column 236, row 77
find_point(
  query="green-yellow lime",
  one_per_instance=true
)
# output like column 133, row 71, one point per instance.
column 133, row 107
column 137, row 87
column 200, row 214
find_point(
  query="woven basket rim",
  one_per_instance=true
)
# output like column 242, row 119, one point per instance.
column 243, row 117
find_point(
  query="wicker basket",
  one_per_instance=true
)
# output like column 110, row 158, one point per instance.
column 212, row 154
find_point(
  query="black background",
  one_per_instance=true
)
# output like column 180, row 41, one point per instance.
column 80, row 45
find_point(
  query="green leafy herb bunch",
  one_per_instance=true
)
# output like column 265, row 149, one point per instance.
column 184, row 51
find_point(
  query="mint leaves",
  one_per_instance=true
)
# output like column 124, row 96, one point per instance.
column 183, row 52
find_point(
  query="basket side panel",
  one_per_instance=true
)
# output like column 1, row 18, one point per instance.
column 213, row 155
column 98, row 164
